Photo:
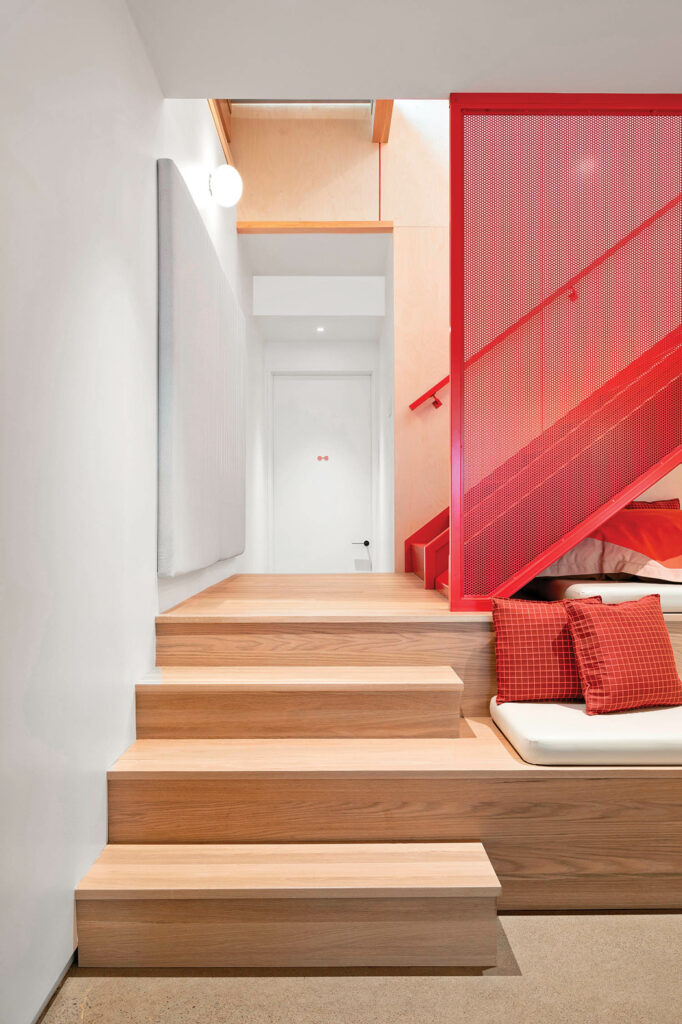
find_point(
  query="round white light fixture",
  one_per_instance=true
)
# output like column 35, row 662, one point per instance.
column 225, row 185
column 319, row 330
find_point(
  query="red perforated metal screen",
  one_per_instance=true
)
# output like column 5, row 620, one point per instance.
column 566, row 334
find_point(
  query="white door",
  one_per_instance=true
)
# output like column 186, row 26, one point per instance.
column 322, row 472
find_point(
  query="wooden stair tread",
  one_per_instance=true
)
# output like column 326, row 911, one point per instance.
column 321, row 677
column 265, row 599
column 481, row 752
column 326, row 870
column 304, row 757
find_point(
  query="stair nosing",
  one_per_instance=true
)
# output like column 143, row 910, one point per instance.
column 448, row 681
column 328, row 879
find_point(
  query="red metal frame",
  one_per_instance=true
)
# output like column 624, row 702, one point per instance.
column 457, row 356
column 566, row 103
column 526, row 103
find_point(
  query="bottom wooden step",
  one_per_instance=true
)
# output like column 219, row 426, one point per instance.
column 289, row 905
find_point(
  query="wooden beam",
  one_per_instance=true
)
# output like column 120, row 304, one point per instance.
column 314, row 227
column 382, row 111
column 222, row 118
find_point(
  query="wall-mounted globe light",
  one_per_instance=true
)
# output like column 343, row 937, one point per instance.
column 225, row 185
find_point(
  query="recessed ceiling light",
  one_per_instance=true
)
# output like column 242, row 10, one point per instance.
column 319, row 330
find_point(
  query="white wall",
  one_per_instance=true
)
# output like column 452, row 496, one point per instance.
column 82, row 122
column 669, row 487
column 386, row 497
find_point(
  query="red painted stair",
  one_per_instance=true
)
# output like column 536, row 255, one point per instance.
column 566, row 356
column 427, row 550
column 498, row 557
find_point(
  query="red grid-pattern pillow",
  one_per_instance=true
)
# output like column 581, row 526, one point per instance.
column 624, row 655
column 669, row 503
column 534, row 650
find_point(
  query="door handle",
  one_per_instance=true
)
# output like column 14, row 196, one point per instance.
column 364, row 544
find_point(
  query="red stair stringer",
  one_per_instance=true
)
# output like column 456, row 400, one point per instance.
column 569, row 540
column 646, row 384
column 592, row 522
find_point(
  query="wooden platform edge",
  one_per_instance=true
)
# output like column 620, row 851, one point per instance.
column 314, row 227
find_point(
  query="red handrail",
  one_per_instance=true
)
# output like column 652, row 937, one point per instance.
column 569, row 286
column 431, row 393
column 565, row 289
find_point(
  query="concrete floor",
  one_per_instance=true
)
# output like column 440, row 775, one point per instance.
column 558, row 969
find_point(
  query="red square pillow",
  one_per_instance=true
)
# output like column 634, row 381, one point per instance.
column 624, row 655
column 669, row 503
column 534, row 650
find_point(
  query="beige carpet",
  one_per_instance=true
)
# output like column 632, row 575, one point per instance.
column 559, row 969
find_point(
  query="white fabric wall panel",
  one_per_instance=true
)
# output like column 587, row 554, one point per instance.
column 201, row 391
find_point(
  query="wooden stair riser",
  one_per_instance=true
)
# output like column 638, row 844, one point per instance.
column 293, row 905
column 215, row 711
column 287, row 933
column 607, row 842
column 467, row 646
column 418, row 560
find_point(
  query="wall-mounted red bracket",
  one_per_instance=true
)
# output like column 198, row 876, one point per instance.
column 431, row 393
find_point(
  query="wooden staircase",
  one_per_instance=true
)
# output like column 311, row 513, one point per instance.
column 239, row 825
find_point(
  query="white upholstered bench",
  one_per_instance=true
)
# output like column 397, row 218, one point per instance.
column 565, row 734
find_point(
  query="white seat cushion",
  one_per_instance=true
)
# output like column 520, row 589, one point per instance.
column 566, row 734
column 610, row 591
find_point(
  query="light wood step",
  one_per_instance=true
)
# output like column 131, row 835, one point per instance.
column 558, row 838
column 283, row 701
column 352, row 619
column 260, row 790
column 289, row 905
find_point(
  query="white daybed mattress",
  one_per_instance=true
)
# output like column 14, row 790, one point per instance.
column 566, row 734
column 610, row 591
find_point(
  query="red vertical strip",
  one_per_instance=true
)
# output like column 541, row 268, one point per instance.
column 456, row 349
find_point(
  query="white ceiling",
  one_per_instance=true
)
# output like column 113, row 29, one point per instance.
column 359, row 49
column 304, row 328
